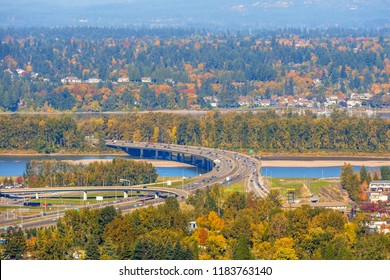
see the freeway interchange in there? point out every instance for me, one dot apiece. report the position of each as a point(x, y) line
point(227, 168)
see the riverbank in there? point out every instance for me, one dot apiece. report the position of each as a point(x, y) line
point(155, 163)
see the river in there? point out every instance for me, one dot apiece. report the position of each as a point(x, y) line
point(16, 165)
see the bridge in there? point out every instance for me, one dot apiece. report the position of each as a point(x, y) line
point(222, 168)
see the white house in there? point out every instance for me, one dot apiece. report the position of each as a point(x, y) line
point(146, 79)
point(380, 186)
point(93, 81)
point(123, 80)
point(71, 80)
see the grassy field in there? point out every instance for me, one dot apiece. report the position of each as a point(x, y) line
point(237, 187)
point(303, 187)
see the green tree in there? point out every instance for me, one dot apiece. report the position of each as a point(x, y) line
point(109, 251)
point(242, 250)
point(92, 249)
point(15, 246)
point(385, 173)
point(363, 174)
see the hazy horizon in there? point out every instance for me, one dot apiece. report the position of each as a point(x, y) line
point(239, 14)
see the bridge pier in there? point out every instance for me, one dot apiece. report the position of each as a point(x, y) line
point(36, 195)
point(204, 163)
point(156, 154)
point(85, 195)
point(141, 153)
point(170, 155)
point(208, 165)
point(193, 159)
point(125, 194)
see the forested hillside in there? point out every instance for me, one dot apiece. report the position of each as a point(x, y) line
point(101, 69)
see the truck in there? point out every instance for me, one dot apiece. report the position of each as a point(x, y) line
point(31, 204)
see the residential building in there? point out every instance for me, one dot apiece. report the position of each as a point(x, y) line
point(123, 80)
point(71, 80)
point(93, 81)
point(379, 186)
point(379, 191)
point(146, 79)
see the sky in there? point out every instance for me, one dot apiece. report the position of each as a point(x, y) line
point(195, 13)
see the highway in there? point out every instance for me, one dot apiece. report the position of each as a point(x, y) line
point(235, 166)
point(228, 168)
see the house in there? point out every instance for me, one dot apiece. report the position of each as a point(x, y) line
point(379, 226)
point(353, 103)
point(71, 80)
point(123, 80)
point(213, 101)
point(379, 191)
point(265, 103)
point(93, 81)
point(377, 196)
point(146, 79)
point(192, 226)
point(379, 186)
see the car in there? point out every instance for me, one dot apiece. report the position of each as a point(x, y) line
point(145, 187)
point(54, 219)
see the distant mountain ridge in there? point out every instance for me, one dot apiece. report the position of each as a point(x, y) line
point(201, 13)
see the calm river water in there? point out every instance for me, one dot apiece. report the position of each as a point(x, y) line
point(14, 166)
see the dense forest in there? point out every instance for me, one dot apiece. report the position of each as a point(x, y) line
point(234, 226)
point(62, 174)
point(188, 69)
point(263, 132)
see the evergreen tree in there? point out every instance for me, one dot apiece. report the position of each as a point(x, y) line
point(139, 251)
point(15, 245)
point(242, 250)
point(109, 251)
point(375, 176)
point(363, 174)
point(346, 173)
point(385, 173)
point(92, 249)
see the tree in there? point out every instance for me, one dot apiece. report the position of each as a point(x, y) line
point(284, 249)
point(363, 174)
point(385, 173)
point(15, 246)
point(242, 250)
point(109, 251)
point(92, 249)
point(346, 173)
point(375, 176)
